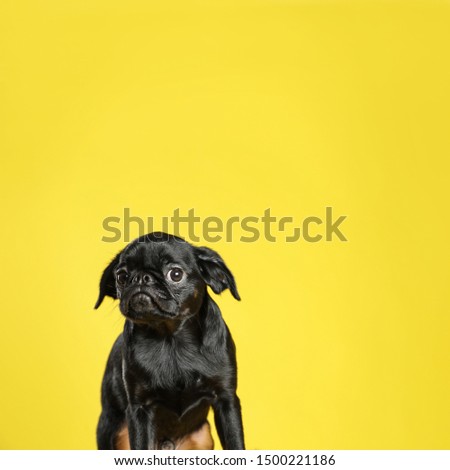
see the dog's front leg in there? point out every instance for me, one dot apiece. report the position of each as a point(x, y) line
point(141, 428)
point(228, 419)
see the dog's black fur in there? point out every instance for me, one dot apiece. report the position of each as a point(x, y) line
point(175, 357)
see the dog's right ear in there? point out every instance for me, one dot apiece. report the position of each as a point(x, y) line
point(108, 282)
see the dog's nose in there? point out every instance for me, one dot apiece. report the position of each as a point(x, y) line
point(142, 278)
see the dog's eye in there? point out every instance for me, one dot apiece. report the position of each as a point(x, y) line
point(122, 277)
point(175, 274)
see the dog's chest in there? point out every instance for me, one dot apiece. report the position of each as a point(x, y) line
point(173, 374)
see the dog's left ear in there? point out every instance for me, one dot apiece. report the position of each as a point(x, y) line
point(108, 282)
point(215, 272)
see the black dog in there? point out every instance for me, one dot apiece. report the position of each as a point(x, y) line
point(175, 357)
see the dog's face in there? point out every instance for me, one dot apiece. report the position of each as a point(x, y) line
point(159, 277)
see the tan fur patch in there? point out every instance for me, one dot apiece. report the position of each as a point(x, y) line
point(197, 440)
point(122, 439)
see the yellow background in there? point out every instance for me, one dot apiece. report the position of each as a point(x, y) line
point(231, 107)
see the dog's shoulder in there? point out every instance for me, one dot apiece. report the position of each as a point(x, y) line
point(215, 331)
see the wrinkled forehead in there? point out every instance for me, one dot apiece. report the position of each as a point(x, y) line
point(157, 255)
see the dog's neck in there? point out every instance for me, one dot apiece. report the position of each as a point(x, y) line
point(196, 324)
point(163, 329)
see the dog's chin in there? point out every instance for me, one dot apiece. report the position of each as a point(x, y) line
point(141, 308)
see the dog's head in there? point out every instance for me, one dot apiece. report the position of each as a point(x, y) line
point(161, 277)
